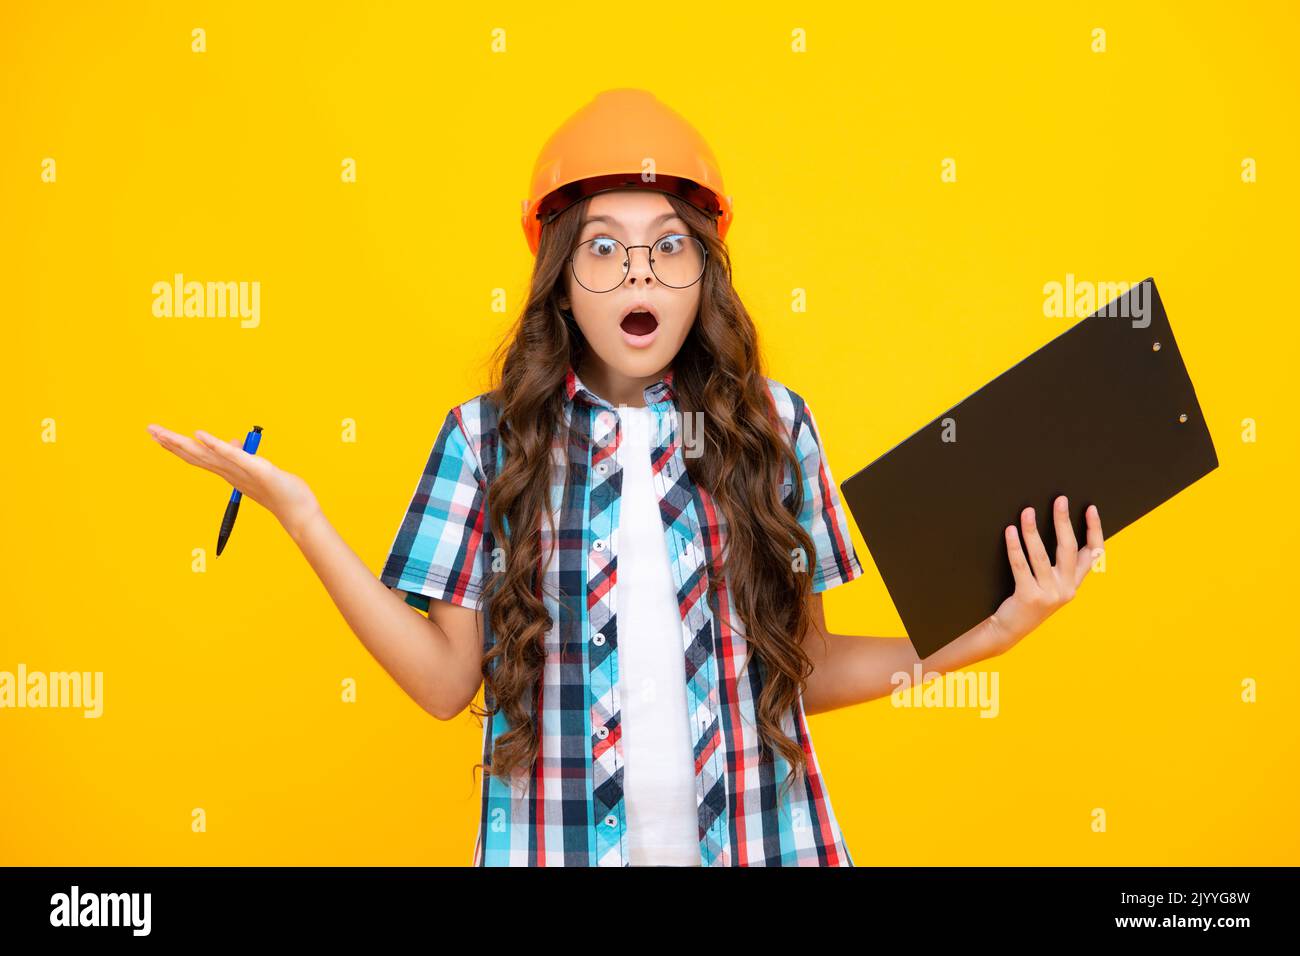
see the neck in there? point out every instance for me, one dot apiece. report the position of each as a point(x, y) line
point(613, 386)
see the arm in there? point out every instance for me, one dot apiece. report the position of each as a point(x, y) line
point(849, 670)
point(437, 660)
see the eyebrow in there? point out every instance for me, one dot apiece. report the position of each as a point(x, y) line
point(610, 219)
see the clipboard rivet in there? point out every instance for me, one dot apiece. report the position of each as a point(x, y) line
point(1182, 417)
point(1155, 346)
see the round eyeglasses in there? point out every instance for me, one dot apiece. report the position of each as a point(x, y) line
point(601, 264)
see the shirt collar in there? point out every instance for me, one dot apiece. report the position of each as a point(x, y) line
point(659, 391)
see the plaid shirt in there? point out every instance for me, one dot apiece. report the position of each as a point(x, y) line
point(572, 810)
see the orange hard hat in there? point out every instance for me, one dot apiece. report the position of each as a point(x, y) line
point(624, 138)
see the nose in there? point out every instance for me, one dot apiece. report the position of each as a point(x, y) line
point(638, 264)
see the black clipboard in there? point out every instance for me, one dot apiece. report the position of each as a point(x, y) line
point(1105, 413)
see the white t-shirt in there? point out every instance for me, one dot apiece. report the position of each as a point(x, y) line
point(659, 771)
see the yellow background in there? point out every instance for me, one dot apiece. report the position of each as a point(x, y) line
point(222, 689)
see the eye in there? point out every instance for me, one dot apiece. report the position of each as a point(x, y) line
point(602, 247)
point(670, 244)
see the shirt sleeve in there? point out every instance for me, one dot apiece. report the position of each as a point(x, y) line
point(823, 514)
point(438, 552)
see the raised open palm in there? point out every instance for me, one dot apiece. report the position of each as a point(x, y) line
point(282, 493)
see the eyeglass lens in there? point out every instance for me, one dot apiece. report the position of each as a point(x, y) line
point(601, 264)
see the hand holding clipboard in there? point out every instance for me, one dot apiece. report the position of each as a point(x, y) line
point(932, 507)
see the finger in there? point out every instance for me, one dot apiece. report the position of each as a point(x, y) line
point(1067, 546)
point(232, 451)
point(1019, 566)
point(198, 453)
point(184, 446)
point(243, 465)
point(1096, 543)
point(1038, 559)
point(157, 431)
point(1093, 519)
point(191, 451)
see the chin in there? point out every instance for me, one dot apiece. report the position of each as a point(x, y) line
point(634, 361)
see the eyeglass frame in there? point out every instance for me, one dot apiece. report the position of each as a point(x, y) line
point(627, 266)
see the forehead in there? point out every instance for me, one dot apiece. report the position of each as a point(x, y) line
point(631, 208)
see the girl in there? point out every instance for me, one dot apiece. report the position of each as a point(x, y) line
point(625, 541)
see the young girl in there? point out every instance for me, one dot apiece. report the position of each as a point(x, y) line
point(624, 542)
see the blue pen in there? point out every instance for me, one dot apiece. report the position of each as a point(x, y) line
point(232, 507)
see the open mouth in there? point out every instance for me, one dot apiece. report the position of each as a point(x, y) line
point(639, 323)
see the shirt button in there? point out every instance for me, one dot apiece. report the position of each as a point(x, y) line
point(599, 544)
point(611, 821)
point(599, 639)
point(602, 732)
point(602, 468)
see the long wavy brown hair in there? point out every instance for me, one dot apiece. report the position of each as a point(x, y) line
point(718, 371)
